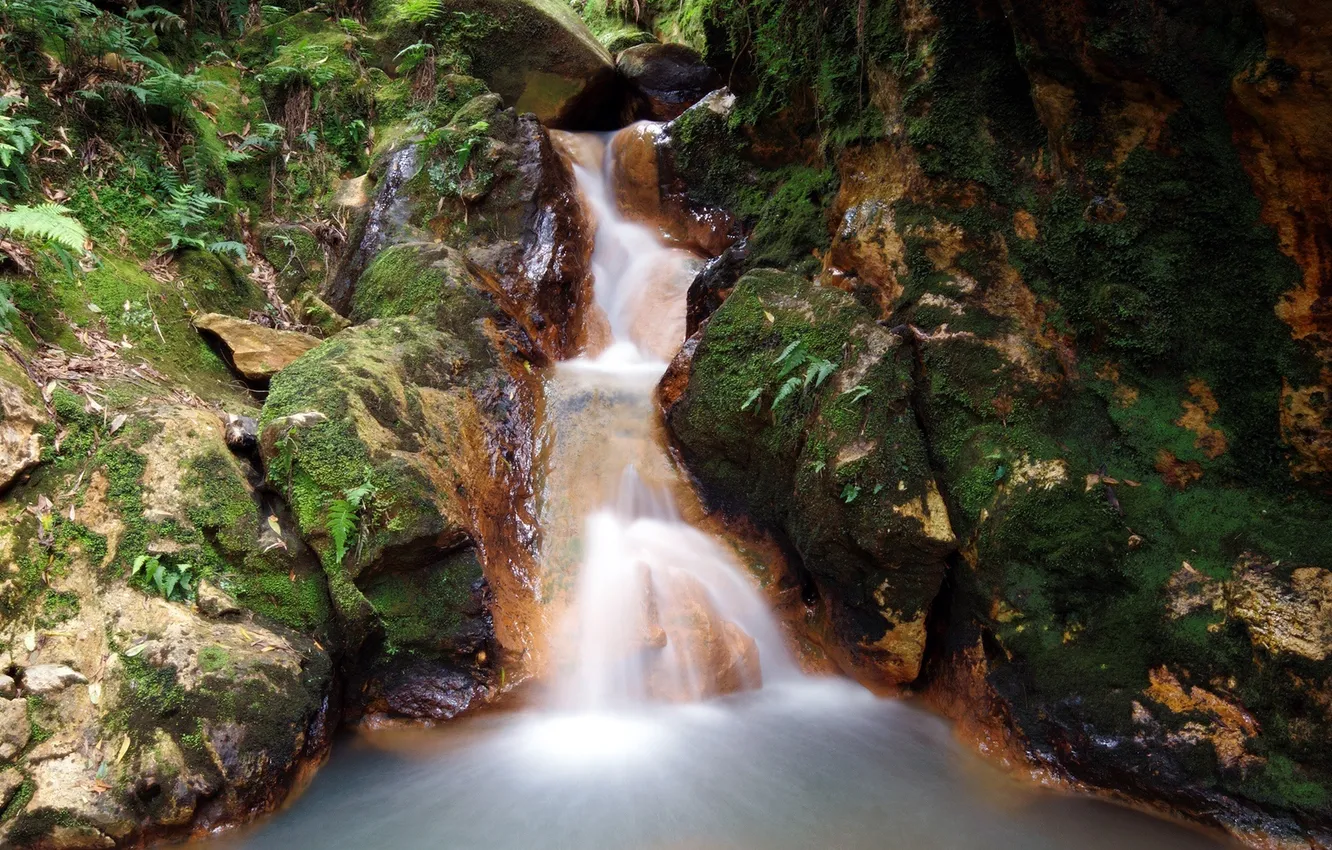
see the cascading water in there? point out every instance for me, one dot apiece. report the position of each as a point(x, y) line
point(660, 610)
point(627, 752)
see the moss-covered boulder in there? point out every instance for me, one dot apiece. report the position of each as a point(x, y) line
point(798, 410)
point(515, 213)
point(181, 717)
point(541, 57)
point(377, 438)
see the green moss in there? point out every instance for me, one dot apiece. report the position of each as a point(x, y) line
point(57, 607)
point(424, 610)
point(19, 801)
point(213, 659)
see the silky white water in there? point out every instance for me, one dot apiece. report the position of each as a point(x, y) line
point(631, 746)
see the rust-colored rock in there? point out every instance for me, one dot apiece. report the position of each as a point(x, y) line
point(256, 352)
point(1281, 110)
point(683, 623)
point(640, 173)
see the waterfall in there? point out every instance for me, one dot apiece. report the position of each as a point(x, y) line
point(660, 611)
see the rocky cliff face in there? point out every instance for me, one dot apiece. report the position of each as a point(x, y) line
point(1091, 233)
point(1014, 337)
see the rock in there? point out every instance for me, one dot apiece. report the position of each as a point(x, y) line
point(433, 694)
point(669, 77)
point(640, 172)
point(713, 284)
point(44, 679)
point(399, 411)
point(242, 433)
point(296, 255)
point(1291, 619)
point(215, 603)
point(8, 689)
point(381, 223)
point(840, 467)
point(10, 780)
point(544, 60)
point(22, 416)
point(14, 728)
point(684, 628)
point(626, 38)
point(313, 311)
point(256, 352)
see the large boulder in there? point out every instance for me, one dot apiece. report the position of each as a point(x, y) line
point(542, 58)
point(796, 409)
point(382, 440)
point(141, 713)
point(22, 416)
point(256, 352)
point(669, 78)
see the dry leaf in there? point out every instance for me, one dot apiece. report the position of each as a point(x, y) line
point(95, 693)
point(124, 747)
point(30, 641)
point(118, 422)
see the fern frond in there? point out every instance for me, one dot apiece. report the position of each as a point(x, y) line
point(341, 526)
point(51, 222)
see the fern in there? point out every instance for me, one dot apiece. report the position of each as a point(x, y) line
point(341, 527)
point(345, 518)
point(51, 222)
point(787, 389)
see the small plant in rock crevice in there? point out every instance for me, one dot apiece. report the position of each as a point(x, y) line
point(174, 582)
point(792, 359)
point(347, 519)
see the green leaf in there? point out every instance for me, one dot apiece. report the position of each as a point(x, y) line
point(849, 493)
point(791, 385)
point(341, 527)
point(46, 221)
point(751, 398)
point(858, 392)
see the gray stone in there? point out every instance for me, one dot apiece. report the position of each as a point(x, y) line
point(8, 689)
point(10, 780)
point(50, 678)
point(14, 728)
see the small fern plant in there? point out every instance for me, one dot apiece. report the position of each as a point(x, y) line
point(792, 359)
point(347, 519)
point(18, 135)
point(187, 215)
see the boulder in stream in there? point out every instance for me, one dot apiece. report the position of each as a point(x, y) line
point(798, 411)
point(669, 78)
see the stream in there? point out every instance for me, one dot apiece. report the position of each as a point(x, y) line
point(673, 713)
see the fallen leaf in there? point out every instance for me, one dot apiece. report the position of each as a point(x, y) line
point(770, 317)
point(95, 693)
point(118, 422)
point(93, 308)
point(134, 651)
point(124, 747)
point(30, 641)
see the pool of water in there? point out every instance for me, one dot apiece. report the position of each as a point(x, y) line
point(813, 764)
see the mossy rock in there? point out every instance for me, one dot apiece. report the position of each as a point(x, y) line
point(428, 280)
point(839, 466)
point(541, 57)
point(296, 255)
point(391, 409)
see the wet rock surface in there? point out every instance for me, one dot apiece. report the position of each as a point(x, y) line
point(669, 78)
point(797, 410)
point(21, 417)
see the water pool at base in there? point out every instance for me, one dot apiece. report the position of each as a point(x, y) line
point(818, 763)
